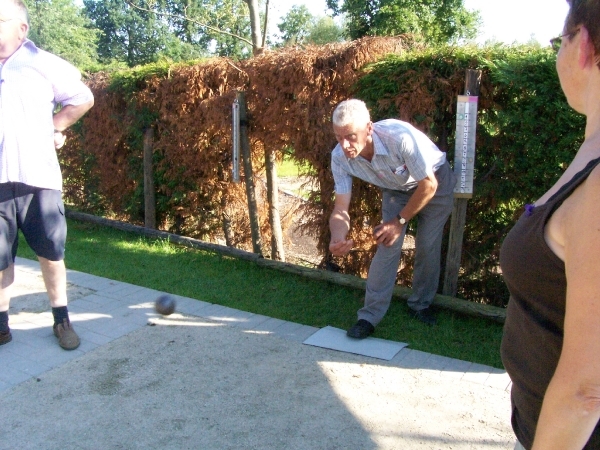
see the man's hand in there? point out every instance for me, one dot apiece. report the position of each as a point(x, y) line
point(59, 139)
point(388, 232)
point(341, 248)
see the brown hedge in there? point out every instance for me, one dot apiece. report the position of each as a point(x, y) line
point(290, 95)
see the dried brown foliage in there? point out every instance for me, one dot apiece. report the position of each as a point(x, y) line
point(290, 95)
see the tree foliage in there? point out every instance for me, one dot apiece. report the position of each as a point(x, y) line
point(299, 27)
point(294, 26)
point(325, 31)
point(61, 27)
point(137, 32)
point(220, 26)
point(432, 21)
point(235, 24)
point(133, 36)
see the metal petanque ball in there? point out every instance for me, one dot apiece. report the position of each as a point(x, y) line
point(165, 305)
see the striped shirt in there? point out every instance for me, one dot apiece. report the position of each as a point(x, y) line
point(402, 156)
point(32, 83)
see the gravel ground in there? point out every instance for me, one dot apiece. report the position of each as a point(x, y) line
point(188, 382)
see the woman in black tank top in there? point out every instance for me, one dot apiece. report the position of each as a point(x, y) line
point(551, 263)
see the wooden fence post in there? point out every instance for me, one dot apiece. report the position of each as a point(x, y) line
point(149, 195)
point(249, 177)
point(277, 250)
point(459, 212)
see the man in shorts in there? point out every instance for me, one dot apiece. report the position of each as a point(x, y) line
point(33, 84)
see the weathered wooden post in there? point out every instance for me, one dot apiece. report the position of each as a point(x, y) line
point(149, 195)
point(249, 177)
point(464, 164)
point(277, 250)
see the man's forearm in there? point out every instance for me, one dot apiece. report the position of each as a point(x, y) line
point(70, 114)
point(422, 195)
point(339, 225)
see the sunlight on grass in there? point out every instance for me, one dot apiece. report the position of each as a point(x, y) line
point(288, 167)
point(162, 246)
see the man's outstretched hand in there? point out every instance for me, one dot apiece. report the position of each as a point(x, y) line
point(341, 248)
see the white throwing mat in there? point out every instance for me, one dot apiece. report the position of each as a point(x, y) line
point(336, 339)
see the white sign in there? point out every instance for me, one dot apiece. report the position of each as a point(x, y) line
point(464, 151)
point(235, 138)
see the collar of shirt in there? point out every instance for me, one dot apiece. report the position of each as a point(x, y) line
point(378, 148)
point(26, 45)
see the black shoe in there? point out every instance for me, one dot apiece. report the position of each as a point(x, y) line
point(5, 337)
point(361, 329)
point(426, 316)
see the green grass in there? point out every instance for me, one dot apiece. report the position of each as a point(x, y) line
point(290, 168)
point(287, 168)
point(243, 285)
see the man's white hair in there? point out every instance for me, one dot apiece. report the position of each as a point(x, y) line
point(352, 111)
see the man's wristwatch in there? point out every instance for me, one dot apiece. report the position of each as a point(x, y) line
point(401, 219)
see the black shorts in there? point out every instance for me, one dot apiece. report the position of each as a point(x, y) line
point(39, 214)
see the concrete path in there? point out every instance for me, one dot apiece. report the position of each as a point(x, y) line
point(211, 377)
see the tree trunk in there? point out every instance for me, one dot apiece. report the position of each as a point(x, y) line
point(277, 251)
point(227, 228)
point(255, 26)
point(266, 24)
point(249, 176)
point(149, 196)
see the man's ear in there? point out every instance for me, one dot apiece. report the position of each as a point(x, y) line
point(586, 49)
point(23, 29)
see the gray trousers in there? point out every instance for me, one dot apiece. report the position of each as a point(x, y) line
point(428, 245)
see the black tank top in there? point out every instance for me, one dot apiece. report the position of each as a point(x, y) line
point(533, 331)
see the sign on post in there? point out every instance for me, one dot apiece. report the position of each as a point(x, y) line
point(464, 168)
point(235, 139)
point(464, 152)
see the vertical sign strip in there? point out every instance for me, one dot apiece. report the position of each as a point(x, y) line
point(464, 150)
point(235, 139)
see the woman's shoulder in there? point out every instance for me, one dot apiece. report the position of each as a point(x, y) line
point(583, 202)
point(591, 185)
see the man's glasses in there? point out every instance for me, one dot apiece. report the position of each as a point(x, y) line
point(556, 42)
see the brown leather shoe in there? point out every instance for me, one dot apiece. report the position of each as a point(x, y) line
point(67, 338)
point(5, 337)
